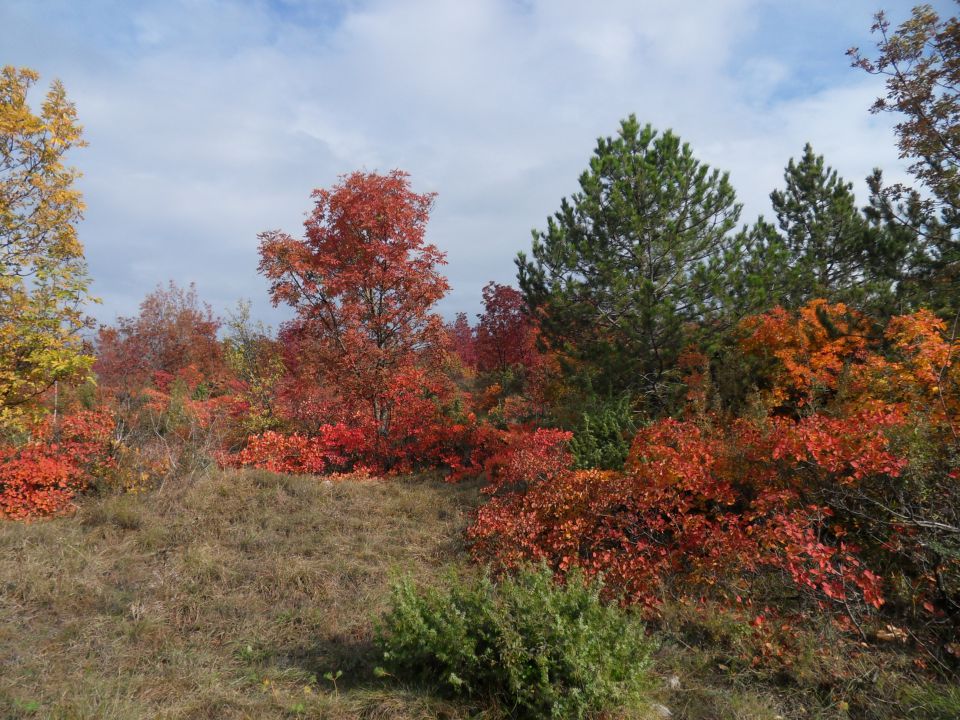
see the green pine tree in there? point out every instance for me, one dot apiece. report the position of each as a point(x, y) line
point(828, 245)
point(632, 261)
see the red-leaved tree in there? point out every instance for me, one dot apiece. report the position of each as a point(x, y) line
point(174, 331)
point(364, 282)
point(504, 335)
point(463, 340)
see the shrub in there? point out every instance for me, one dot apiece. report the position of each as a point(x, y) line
point(334, 447)
point(528, 457)
point(541, 648)
point(700, 509)
point(603, 439)
point(460, 447)
point(175, 427)
point(42, 476)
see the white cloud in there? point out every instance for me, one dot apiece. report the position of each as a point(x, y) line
point(211, 120)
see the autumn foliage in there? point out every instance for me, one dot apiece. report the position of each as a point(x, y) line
point(797, 496)
point(43, 277)
point(363, 283)
point(505, 334)
point(643, 414)
point(830, 480)
point(332, 448)
point(695, 505)
point(164, 376)
point(173, 331)
point(42, 476)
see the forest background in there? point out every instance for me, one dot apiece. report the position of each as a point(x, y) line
point(749, 420)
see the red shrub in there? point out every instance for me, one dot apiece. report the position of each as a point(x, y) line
point(335, 447)
point(696, 508)
point(526, 457)
point(43, 476)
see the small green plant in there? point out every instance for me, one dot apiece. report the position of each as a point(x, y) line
point(27, 706)
point(603, 438)
point(332, 677)
point(536, 646)
point(250, 654)
point(932, 702)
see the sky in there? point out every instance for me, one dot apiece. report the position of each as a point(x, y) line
point(209, 121)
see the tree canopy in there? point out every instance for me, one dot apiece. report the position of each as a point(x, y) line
point(363, 282)
point(43, 276)
point(639, 252)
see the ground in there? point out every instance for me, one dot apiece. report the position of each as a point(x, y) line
point(231, 597)
point(253, 595)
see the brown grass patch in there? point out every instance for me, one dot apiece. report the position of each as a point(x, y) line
point(230, 597)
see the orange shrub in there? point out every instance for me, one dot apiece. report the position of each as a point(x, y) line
point(43, 476)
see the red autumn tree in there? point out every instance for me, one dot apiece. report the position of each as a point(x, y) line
point(463, 340)
point(364, 282)
point(173, 332)
point(504, 335)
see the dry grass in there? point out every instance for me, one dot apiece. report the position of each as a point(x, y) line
point(228, 598)
point(719, 670)
point(232, 596)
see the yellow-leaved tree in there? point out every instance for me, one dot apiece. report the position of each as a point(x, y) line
point(43, 275)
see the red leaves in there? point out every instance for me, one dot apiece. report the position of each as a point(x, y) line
point(35, 481)
point(696, 505)
point(462, 340)
point(173, 331)
point(43, 476)
point(529, 457)
point(334, 448)
point(363, 282)
point(419, 438)
point(505, 335)
point(848, 448)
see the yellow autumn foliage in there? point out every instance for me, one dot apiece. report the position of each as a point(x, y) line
point(43, 275)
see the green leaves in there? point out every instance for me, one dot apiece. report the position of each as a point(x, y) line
point(603, 439)
point(642, 250)
point(542, 648)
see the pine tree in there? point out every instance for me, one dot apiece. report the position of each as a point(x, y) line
point(631, 261)
point(825, 235)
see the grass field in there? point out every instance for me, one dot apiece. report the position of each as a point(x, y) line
point(234, 595)
point(230, 598)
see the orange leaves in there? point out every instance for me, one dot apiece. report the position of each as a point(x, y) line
point(830, 352)
point(924, 368)
point(43, 476)
point(810, 350)
point(921, 339)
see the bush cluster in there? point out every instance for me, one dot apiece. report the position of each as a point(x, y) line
point(540, 648)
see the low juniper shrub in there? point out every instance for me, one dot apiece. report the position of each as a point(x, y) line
point(536, 647)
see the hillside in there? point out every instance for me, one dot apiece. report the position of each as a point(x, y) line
point(230, 599)
point(234, 595)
